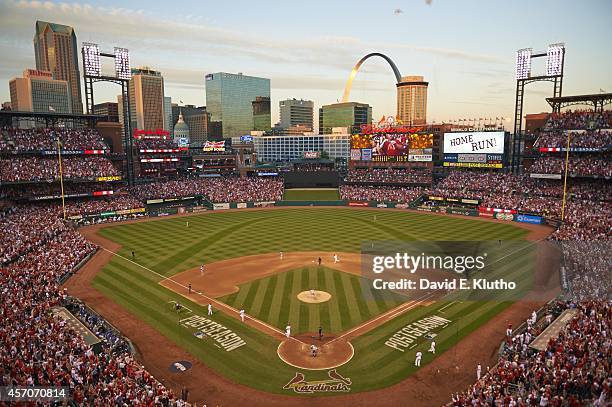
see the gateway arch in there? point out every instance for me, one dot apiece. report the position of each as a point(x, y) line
point(349, 83)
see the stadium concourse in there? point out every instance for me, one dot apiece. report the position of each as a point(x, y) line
point(39, 250)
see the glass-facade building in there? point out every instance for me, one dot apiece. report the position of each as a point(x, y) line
point(289, 148)
point(229, 100)
point(348, 114)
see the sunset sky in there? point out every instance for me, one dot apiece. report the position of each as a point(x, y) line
point(465, 49)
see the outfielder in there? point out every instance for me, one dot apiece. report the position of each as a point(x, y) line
point(417, 361)
point(432, 348)
point(242, 315)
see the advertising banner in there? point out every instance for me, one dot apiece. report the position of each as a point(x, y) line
point(366, 154)
point(358, 204)
point(474, 165)
point(474, 142)
point(472, 158)
point(264, 204)
point(545, 176)
point(355, 154)
point(504, 216)
point(536, 220)
point(241, 205)
point(220, 206)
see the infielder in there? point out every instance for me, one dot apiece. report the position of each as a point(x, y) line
point(313, 350)
point(242, 315)
point(432, 348)
point(202, 269)
point(336, 260)
point(288, 331)
point(281, 255)
point(417, 361)
point(209, 309)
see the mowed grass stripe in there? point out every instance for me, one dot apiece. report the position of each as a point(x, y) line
point(294, 305)
point(260, 294)
point(275, 306)
point(350, 299)
point(335, 323)
point(314, 309)
point(268, 297)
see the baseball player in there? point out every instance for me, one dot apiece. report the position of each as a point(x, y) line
point(209, 309)
point(478, 371)
point(288, 331)
point(202, 269)
point(312, 293)
point(187, 223)
point(281, 255)
point(189, 288)
point(242, 315)
point(432, 348)
point(417, 360)
point(320, 333)
point(336, 260)
point(313, 350)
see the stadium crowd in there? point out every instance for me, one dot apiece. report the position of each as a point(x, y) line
point(573, 370)
point(216, 189)
point(578, 138)
point(580, 166)
point(380, 193)
point(17, 140)
point(21, 168)
point(37, 347)
point(579, 119)
point(388, 176)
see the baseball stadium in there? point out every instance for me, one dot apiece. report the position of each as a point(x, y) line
point(390, 262)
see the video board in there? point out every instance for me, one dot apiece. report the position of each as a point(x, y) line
point(391, 147)
point(474, 149)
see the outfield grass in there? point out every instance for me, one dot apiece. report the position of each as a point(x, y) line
point(311, 195)
point(274, 300)
point(168, 246)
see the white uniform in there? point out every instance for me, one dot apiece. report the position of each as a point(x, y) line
point(478, 371)
point(281, 255)
point(432, 348)
point(417, 361)
point(242, 315)
point(187, 223)
point(202, 269)
point(288, 331)
point(336, 260)
point(312, 293)
point(209, 309)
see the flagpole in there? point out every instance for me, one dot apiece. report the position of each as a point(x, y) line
point(565, 178)
point(59, 159)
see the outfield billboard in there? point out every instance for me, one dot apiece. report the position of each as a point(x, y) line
point(387, 147)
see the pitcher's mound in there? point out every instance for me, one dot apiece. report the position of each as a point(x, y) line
point(314, 297)
point(330, 353)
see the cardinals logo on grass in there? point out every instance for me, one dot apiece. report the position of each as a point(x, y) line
point(335, 383)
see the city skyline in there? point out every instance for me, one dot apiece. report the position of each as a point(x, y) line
point(471, 75)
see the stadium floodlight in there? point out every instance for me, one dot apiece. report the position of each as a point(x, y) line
point(122, 63)
point(523, 63)
point(91, 59)
point(554, 59)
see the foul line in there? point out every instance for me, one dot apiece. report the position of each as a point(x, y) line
point(219, 304)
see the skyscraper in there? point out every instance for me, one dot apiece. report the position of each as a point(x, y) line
point(196, 118)
point(262, 114)
point(55, 50)
point(347, 114)
point(229, 100)
point(146, 90)
point(37, 91)
point(295, 112)
point(168, 123)
point(412, 100)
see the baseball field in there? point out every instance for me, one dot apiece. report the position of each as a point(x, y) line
point(153, 265)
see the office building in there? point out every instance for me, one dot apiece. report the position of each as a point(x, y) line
point(262, 116)
point(412, 100)
point(229, 100)
point(347, 114)
point(295, 113)
point(181, 132)
point(196, 118)
point(55, 50)
point(146, 92)
point(109, 110)
point(168, 123)
point(37, 91)
point(293, 147)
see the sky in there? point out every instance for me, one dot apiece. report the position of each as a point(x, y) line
point(465, 49)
